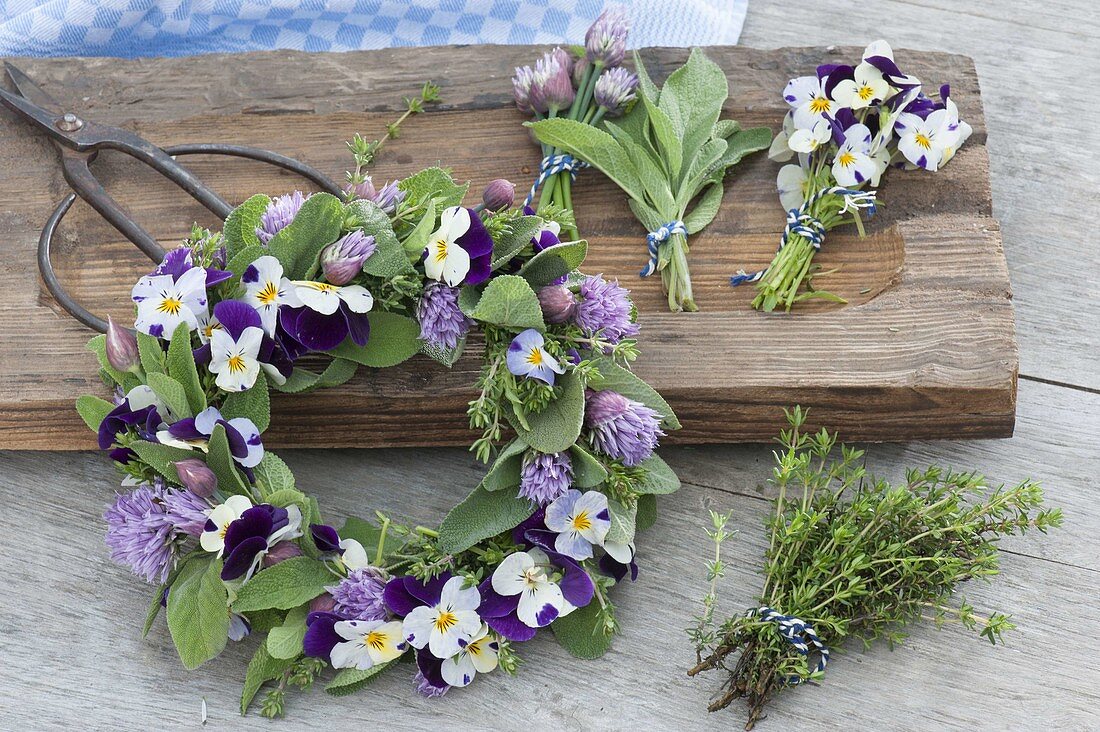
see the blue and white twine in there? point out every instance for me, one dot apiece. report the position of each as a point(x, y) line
point(655, 239)
point(801, 223)
point(799, 634)
point(552, 165)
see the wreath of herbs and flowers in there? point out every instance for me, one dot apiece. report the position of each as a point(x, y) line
point(236, 548)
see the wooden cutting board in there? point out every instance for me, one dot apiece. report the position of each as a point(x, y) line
point(925, 349)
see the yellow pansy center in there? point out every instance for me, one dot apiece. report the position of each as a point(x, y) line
point(474, 647)
point(440, 250)
point(845, 159)
point(865, 93)
point(535, 356)
point(820, 104)
point(236, 364)
point(581, 522)
point(268, 294)
point(209, 329)
point(923, 140)
point(376, 640)
point(170, 305)
point(534, 576)
point(445, 621)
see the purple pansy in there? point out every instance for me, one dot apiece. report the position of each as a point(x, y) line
point(181, 259)
point(236, 318)
point(243, 537)
point(139, 410)
point(460, 251)
point(524, 594)
point(244, 437)
point(547, 236)
point(319, 315)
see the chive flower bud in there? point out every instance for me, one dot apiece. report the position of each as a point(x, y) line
point(499, 195)
point(122, 348)
point(521, 88)
point(343, 260)
point(605, 41)
point(615, 89)
point(558, 303)
point(197, 477)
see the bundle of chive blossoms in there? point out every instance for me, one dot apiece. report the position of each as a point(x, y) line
point(235, 549)
point(847, 125)
point(587, 89)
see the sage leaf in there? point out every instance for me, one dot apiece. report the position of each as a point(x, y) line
point(240, 226)
point(198, 614)
point(505, 470)
point(161, 458)
point(622, 522)
point(435, 184)
point(181, 366)
point(285, 641)
point(151, 353)
point(351, 680)
point(93, 410)
point(389, 258)
point(554, 263)
point(171, 392)
point(273, 475)
point(557, 427)
point(509, 302)
point(253, 403)
point(480, 515)
point(647, 512)
point(658, 479)
point(582, 632)
point(288, 584)
point(595, 147)
point(261, 669)
point(317, 224)
point(705, 209)
point(393, 339)
point(520, 233)
point(220, 460)
point(588, 472)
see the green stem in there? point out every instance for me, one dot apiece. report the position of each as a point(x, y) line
point(381, 542)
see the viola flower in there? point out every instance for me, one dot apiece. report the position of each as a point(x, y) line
point(447, 624)
point(809, 98)
point(218, 520)
point(524, 575)
point(181, 259)
point(235, 360)
point(359, 644)
point(164, 302)
point(545, 476)
point(265, 289)
point(140, 535)
point(387, 197)
point(581, 520)
point(278, 215)
point(605, 40)
point(930, 142)
point(442, 322)
point(428, 687)
point(528, 357)
point(879, 55)
point(477, 656)
point(853, 164)
point(547, 236)
point(208, 323)
point(194, 432)
point(460, 252)
point(621, 428)
point(244, 534)
point(809, 140)
point(140, 409)
point(618, 561)
point(319, 316)
point(614, 90)
point(604, 308)
point(866, 87)
point(239, 627)
point(791, 185)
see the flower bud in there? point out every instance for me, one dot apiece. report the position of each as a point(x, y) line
point(521, 88)
point(605, 41)
point(615, 89)
point(325, 538)
point(282, 551)
point(197, 477)
point(324, 603)
point(558, 303)
point(343, 260)
point(499, 195)
point(122, 348)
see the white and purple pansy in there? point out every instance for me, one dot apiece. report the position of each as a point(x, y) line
point(347, 552)
point(242, 534)
point(527, 356)
point(359, 644)
point(809, 99)
point(880, 56)
point(530, 589)
point(320, 315)
point(460, 251)
point(163, 303)
point(445, 623)
point(866, 87)
point(548, 236)
point(265, 289)
point(239, 348)
point(479, 655)
point(194, 432)
point(581, 521)
point(852, 164)
point(142, 410)
point(618, 561)
point(808, 139)
point(930, 136)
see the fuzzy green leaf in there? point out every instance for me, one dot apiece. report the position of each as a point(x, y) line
point(445, 356)
point(220, 460)
point(240, 226)
point(92, 410)
point(706, 208)
point(588, 472)
point(558, 425)
point(300, 380)
point(508, 301)
point(253, 403)
point(623, 519)
point(595, 147)
point(290, 583)
point(616, 378)
point(239, 263)
point(433, 184)
point(646, 86)
point(273, 475)
point(581, 632)
point(647, 512)
point(393, 339)
point(518, 236)
point(659, 478)
point(182, 368)
point(482, 514)
point(198, 614)
point(339, 371)
point(554, 262)
point(417, 240)
point(317, 224)
point(151, 352)
point(351, 680)
point(389, 258)
point(171, 392)
point(703, 167)
point(504, 472)
point(285, 642)
point(692, 97)
point(162, 458)
point(261, 669)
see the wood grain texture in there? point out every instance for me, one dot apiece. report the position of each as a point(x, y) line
point(925, 349)
point(73, 657)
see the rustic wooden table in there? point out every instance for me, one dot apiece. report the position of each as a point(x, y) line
point(71, 656)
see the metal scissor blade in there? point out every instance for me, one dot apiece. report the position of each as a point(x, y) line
point(31, 91)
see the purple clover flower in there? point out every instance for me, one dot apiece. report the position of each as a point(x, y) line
point(280, 212)
point(605, 307)
point(621, 428)
point(442, 322)
point(545, 476)
point(140, 532)
point(359, 595)
point(615, 89)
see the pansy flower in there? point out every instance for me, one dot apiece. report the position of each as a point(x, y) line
point(527, 356)
point(242, 534)
point(866, 87)
point(239, 348)
point(265, 289)
point(618, 561)
point(479, 655)
point(460, 251)
point(930, 142)
point(526, 592)
point(164, 302)
point(581, 520)
point(881, 56)
point(348, 552)
point(547, 236)
point(320, 315)
point(852, 164)
point(181, 259)
point(808, 97)
point(791, 185)
point(194, 432)
point(140, 409)
point(360, 644)
point(808, 140)
point(444, 619)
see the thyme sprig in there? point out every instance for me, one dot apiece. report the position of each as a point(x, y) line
point(858, 557)
point(363, 151)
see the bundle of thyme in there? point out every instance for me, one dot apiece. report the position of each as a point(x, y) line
point(852, 556)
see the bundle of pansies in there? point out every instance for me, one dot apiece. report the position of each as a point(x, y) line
point(237, 549)
point(847, 125)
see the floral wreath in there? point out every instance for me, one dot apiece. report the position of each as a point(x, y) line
point(216, 521)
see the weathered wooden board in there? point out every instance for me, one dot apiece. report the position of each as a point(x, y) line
point(925, 349)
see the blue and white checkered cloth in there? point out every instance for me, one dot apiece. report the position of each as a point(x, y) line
point(131, 28)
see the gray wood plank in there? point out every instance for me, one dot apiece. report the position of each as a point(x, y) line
point(1032, 59)
point(72, 655)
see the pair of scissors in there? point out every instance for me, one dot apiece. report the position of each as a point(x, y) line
point(80, 140)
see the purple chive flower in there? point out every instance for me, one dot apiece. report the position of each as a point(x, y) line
point(186, 511)
point(521, 88)
point(243, 435)
point(605, 41)
point(621, 428)
point(323, 603)
point(122, 348)
point(558, 303)
point(442, 322)
point(139, 533)
point(564, 59)
point(545, 476)
point(527, 356)
point(197, 477)
point(343, 260)
point(359, 596)
point(615, 89)
point(278, 215)
point(499, 194)
point(605, 307)
point(387, 197)
point(430, 687)
point(556, 81)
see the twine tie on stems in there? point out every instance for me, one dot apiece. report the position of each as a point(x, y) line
point(655, 239)
point(801, 223)
point(799, 634)
point(552, 165)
